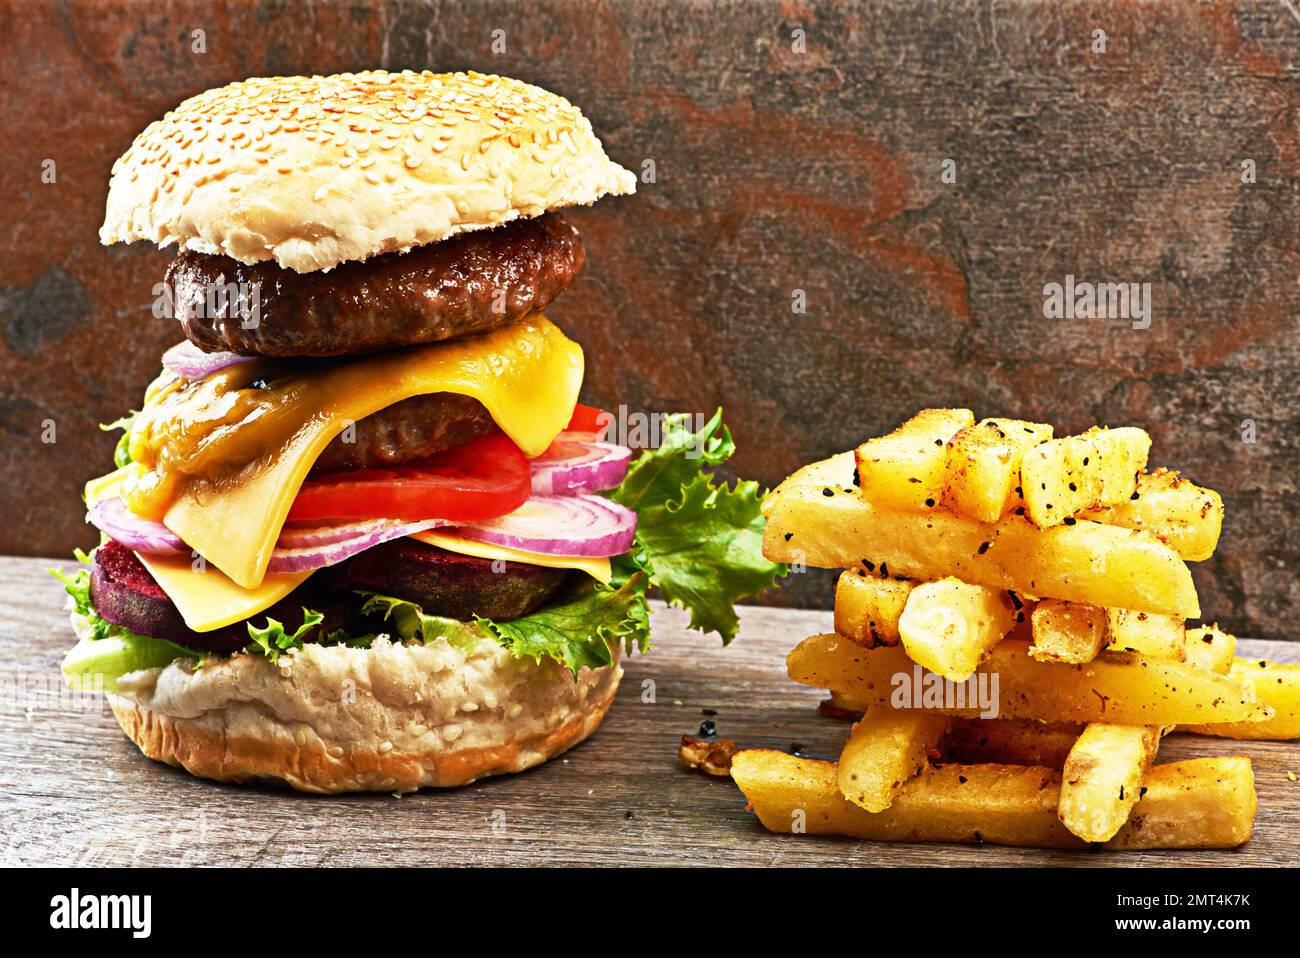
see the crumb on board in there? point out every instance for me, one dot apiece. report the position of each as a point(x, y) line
point(712, 758)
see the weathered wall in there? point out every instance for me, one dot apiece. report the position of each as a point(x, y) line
point(776, 170)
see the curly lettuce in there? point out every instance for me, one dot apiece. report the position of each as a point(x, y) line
point(699, 541)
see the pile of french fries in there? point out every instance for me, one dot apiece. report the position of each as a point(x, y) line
point(1012, 625)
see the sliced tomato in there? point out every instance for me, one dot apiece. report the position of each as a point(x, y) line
point(482, 479)
point(590, 421)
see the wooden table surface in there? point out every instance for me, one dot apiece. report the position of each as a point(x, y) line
point(74, 790)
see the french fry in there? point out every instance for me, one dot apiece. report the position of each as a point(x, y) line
point(885, 750)
point(1086, 562)
point(1008, 741)
point(1195, 803)
point(983, 466)
point(1102, 777)
point(1276, 685)
point(867, 607)
point(1062, 477)
point(948, 626)
point(1183, 514)
point(1119, 687)
point(1211, 648)
point(905, 469)
point(1201, 803)
point(1071, 632)
point(1154, 636)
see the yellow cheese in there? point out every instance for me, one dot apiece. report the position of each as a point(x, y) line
point(527, 375)
point(596, 568)
point(106, 487)
point(208, 600)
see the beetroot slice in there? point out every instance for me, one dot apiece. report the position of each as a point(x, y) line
point(125, 594)
point(447, 583)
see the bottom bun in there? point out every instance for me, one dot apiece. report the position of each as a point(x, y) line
point(391, 718)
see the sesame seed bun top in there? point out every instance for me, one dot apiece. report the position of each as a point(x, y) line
point(316, 171)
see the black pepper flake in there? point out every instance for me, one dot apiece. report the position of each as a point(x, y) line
point(1142, 792)
point(884, 570)
point(962, 779)
point(938, 442)
point(871, 566)
point(1085, 460)
point(789, 536)
point(709, 712)
point(1020, 511)
point(828, 491)
point(984, 547)
point(708, 729)
point(1069, 520)
point(1073, 487)
point(1135, 495)
point(857, 480)
point(929, 503)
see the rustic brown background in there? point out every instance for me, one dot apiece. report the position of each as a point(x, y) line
point(776, 171)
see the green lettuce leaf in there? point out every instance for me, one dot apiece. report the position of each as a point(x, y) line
point(582, 628)
point(272, 640)
point(409, 621)
point(122, 452)
point(699, 540)
point(95, 665)
point(77, 585)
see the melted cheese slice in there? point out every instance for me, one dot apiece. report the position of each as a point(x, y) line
point(527, 375)
point(207, 599)
point(596, 568)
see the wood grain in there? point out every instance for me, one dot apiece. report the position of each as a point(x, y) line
point(73, 790)
point(797, 146)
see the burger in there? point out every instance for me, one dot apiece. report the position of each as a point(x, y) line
point(361, 534)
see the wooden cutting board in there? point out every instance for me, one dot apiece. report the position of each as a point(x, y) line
point(74, 790)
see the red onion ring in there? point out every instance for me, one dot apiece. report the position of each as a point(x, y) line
point(189, 362)
point(570, 467)
point(115, 520)
point(577, 525)
point(298, 549)
point(321, 555)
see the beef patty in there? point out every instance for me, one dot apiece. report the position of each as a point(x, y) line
point(411, 429)
point(470, 283)
point(447, 583)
